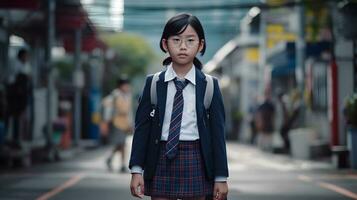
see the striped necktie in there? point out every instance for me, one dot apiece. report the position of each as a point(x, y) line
point(176, 118)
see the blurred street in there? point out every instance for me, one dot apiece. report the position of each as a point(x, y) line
point(254, 175)
point(72, 73)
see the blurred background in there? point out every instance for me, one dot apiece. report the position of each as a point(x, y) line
point(287, 70)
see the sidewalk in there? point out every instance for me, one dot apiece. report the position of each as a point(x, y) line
point(29, 155)
point(257, 175)
point(254, 157)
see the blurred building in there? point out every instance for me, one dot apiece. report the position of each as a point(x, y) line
point(298, 51)
point(48, 30)
point(220, 19)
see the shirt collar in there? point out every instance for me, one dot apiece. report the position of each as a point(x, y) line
point(171, 74)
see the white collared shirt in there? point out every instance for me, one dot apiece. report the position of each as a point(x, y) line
point(189, 129)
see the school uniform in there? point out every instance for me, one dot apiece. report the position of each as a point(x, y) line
point(201, 154)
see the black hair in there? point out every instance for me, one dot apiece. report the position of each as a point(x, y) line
point(122, 80)
point(177, 25)
point(21, 53)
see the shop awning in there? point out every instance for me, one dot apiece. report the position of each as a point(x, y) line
point(89, 43)
point(70, 18)
point(283, 58)
point(226, 50)
point(69, 15)
point(20, 4)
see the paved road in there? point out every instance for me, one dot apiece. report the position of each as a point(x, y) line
point(253, 176)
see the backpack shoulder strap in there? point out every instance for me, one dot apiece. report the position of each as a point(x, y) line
point(209, 91)
point(153, 92)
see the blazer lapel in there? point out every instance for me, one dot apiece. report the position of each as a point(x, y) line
point(200, 91)
point(161, 95)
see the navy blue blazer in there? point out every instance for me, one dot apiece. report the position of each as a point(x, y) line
point(210, 123)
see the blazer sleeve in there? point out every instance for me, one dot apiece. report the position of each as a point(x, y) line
point(142, 127)
point(217, 126)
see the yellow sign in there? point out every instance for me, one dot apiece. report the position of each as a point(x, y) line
point(251, 55)
point(276, 33)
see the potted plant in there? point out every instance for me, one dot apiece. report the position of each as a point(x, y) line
point(350, 112)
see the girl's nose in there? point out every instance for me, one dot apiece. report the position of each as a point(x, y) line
point(183, 45)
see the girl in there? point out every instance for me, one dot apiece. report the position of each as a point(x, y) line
point(178, 149)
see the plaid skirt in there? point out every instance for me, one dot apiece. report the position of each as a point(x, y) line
point(182, 177)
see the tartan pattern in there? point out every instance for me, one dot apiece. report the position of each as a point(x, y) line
point(182, 177)
point(176, 119)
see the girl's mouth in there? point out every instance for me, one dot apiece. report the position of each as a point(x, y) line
point(182, 55)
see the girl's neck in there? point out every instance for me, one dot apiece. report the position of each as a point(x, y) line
point(181, 70)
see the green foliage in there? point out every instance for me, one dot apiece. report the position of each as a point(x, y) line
point(65, 69)
point(351, 110)
point(133, 53)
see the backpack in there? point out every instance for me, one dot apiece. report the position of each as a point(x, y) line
point(207, 97)
point(121, 111)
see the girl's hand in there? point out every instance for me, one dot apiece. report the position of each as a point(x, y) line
point(220, 190)
point(137, 185)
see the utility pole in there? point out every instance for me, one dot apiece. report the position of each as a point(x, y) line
point(355, 65)
point(51, 7)
point(262, 51)
point(78, 81)
point(300, 46)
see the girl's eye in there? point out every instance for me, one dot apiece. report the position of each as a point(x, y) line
point(190, 41)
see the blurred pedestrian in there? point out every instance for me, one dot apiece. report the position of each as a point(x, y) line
point(19, 97)
point(121, 123)
point(179, 144)
point(252, 111)
point(293, 118)
point(20, 65)
point(282, 117)
point(265, 123)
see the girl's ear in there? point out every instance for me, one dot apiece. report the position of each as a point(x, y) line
point(164, 45)
point(201, 45)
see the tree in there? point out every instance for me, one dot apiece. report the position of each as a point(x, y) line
point(132, 54)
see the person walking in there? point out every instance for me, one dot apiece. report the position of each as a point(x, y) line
point(121, 123)
point(265, 123)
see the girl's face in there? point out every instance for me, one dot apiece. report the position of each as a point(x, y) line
point(183, 47)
